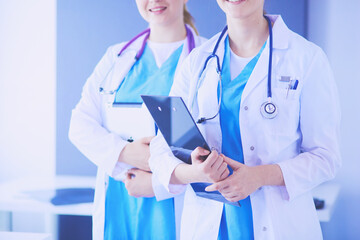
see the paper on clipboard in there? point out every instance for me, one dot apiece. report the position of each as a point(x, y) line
point(131, 121)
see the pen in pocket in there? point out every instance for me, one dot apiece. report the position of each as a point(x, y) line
point(295, 85)
point(292, 86)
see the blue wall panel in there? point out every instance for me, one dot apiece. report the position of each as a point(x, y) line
point(85, 29)
point(294, 13)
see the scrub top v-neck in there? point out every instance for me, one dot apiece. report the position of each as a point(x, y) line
point(236, 222)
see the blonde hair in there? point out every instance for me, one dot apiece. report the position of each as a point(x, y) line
point(188, 19)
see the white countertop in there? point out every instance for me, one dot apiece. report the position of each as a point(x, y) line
point(24, 236)
point(14, 197)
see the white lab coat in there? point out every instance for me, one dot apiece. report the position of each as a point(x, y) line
point(302, 139)
point(96, 134)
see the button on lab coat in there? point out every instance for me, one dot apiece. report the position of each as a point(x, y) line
point(302, 139)
point(95, 134)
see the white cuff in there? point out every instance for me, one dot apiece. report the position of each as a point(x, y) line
point(120, 171)
point(159, 190)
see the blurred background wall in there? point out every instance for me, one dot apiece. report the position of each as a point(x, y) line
point(27, 97)
point(27, 88)
point(334, 25)
point(48, 48)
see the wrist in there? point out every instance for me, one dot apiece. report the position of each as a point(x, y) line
point(194, 174)
point(270, 175)
point(184, 174)
point(262, 175)
point(123, 153)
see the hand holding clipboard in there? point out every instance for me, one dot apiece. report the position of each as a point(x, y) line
point(183, 136)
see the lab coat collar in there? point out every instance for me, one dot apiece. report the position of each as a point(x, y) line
point(281, 32)
point(127, 60)
point(280, 36)
point(136, 45)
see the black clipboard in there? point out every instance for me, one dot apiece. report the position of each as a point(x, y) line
point(181, 134)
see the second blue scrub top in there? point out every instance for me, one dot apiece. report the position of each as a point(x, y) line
point(236, 222)
point(127, 217)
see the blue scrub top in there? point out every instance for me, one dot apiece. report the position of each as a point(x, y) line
point(236, 222)
point(146, 78)
point(127, 217)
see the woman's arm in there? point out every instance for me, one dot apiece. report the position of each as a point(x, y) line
point(86, 126)
point(245, 180)
point(139, 183)
point(105, 149)
point(211, 170)
point(162, 161)
point(319, 159)
point(137, 153)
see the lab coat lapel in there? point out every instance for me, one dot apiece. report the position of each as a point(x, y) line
point(208, 101)
point(122, 66)
point(124, 63)
point(259, 73)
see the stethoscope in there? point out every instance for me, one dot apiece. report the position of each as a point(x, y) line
point(268, 109)
point(191, 45)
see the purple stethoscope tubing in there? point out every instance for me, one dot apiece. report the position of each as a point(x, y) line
point(190, 40)
point(140, 52)
point(189, 37)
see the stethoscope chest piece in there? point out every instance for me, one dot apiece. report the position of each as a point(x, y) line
point(268, 110)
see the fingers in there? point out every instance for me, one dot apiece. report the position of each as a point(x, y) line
point(232, 163)
point(135, 171)
point(223, 166)
point(224, 172)
point(226, 191)
point(216, 186)
point(198, 153)
point(212, 158)
point(127, 180)
point(217, 163)
point(212, 187)
point(146, 140)
point(235, 198)
point(131, 173)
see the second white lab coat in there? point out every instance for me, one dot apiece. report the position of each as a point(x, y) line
point(302, 139)
point(96, 135)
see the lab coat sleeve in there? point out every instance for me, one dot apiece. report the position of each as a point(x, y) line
point(86, 126)
point(162, 164)
point(319, 159)
point(162, 161)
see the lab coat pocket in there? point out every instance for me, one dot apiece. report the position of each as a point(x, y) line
point(287, 121)
point(284, 94)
